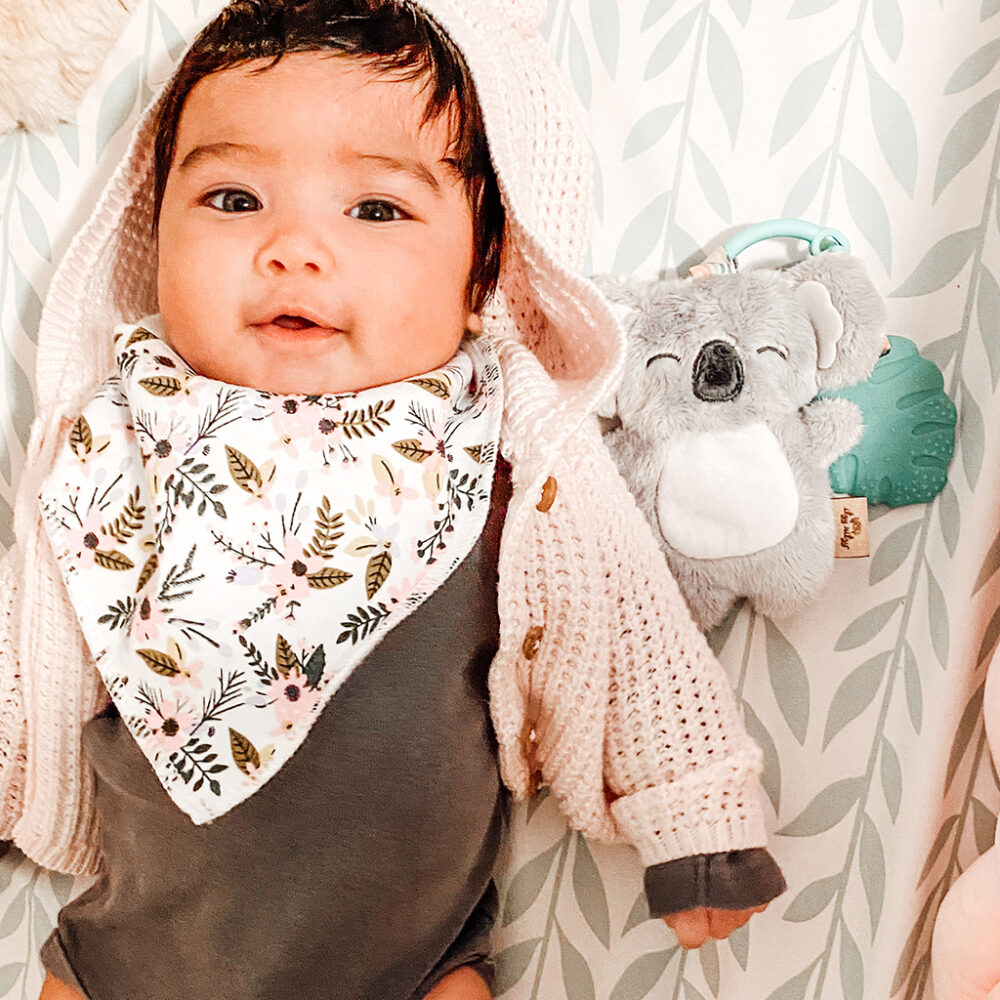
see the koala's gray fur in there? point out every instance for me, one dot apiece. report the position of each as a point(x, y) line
point(767, 337)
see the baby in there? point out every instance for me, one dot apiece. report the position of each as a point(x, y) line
point(275, 532)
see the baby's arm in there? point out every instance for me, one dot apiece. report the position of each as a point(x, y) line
point(604, 694)
point(46, 694)
point(681, 773)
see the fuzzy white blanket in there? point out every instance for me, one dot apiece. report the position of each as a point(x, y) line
point(50, 50)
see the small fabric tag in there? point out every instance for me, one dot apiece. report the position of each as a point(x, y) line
point(850, 515)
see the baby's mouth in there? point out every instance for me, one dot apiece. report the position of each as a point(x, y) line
point(287, 322)
point(294, 327)
point(289, 313)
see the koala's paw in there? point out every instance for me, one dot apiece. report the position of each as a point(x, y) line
point(835, 426)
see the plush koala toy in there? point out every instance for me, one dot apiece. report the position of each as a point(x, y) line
point(717, 430)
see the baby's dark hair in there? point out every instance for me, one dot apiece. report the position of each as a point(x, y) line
point(391, 36)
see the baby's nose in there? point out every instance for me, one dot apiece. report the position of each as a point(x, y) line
point(295, 251)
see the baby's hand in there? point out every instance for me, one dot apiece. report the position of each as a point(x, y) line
point(692, 927)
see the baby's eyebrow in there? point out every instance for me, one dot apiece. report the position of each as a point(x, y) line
point(215, 151)
point(410, 167)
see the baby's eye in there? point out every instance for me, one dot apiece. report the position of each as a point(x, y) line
point(376, 210)
point(234, 200)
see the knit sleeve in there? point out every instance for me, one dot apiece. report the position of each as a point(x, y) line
point(62, 689)
point(603, 688)
point(13, 723)
point(682, 774)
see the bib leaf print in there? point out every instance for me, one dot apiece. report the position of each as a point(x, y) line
point(233, 554)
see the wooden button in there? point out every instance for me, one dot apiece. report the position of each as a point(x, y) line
point(529, 744)
point(548, 495)
point(532, 638)
point(534, 782)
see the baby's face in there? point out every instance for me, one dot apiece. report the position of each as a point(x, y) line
point(312, 236)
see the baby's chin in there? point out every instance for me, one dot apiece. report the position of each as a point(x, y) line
point(309, 377)
point(316, 366)
point(305, 381)
point(318, 376)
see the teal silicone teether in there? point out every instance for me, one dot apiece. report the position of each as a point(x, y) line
point(909, 436)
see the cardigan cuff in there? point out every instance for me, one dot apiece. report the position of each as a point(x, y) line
point(707, 811)
point(730, 880)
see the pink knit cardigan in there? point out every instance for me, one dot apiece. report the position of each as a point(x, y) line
point(602, 686)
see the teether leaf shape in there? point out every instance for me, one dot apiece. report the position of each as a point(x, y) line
point(909, 436)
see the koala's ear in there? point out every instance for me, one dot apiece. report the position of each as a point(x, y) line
point(826, 321)
point(623, 297)
point(848, 301)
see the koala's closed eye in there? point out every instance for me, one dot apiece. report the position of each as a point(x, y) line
point(656, 357)
point(777, 350)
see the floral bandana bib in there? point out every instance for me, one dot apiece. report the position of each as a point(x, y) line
point(233, 554)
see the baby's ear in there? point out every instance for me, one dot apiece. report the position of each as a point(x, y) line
point(847, 313)
point(623, 296)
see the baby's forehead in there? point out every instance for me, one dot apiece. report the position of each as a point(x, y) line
point(332, 102)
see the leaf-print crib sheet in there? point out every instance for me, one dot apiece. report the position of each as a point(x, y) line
point(874, 117)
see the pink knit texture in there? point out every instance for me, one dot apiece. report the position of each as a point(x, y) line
point(625, 697)
point(598, 655)
point(13, 729)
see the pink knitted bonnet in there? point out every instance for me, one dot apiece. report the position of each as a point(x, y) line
point(542, 162)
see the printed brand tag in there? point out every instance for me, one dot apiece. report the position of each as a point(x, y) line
point(850, 515)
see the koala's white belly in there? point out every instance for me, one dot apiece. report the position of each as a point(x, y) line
point(725, 493)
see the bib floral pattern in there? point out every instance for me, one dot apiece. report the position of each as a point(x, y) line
point(233, 554)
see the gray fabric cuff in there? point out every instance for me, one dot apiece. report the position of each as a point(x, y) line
point(730, 880)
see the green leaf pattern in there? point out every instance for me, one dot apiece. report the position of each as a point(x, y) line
point(706, 115)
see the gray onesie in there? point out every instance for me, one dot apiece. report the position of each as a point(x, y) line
point(360, 870)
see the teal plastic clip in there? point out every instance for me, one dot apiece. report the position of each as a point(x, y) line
point(820, 238)
point(722, 260)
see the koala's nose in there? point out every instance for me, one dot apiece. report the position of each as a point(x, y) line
point(718, 372)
